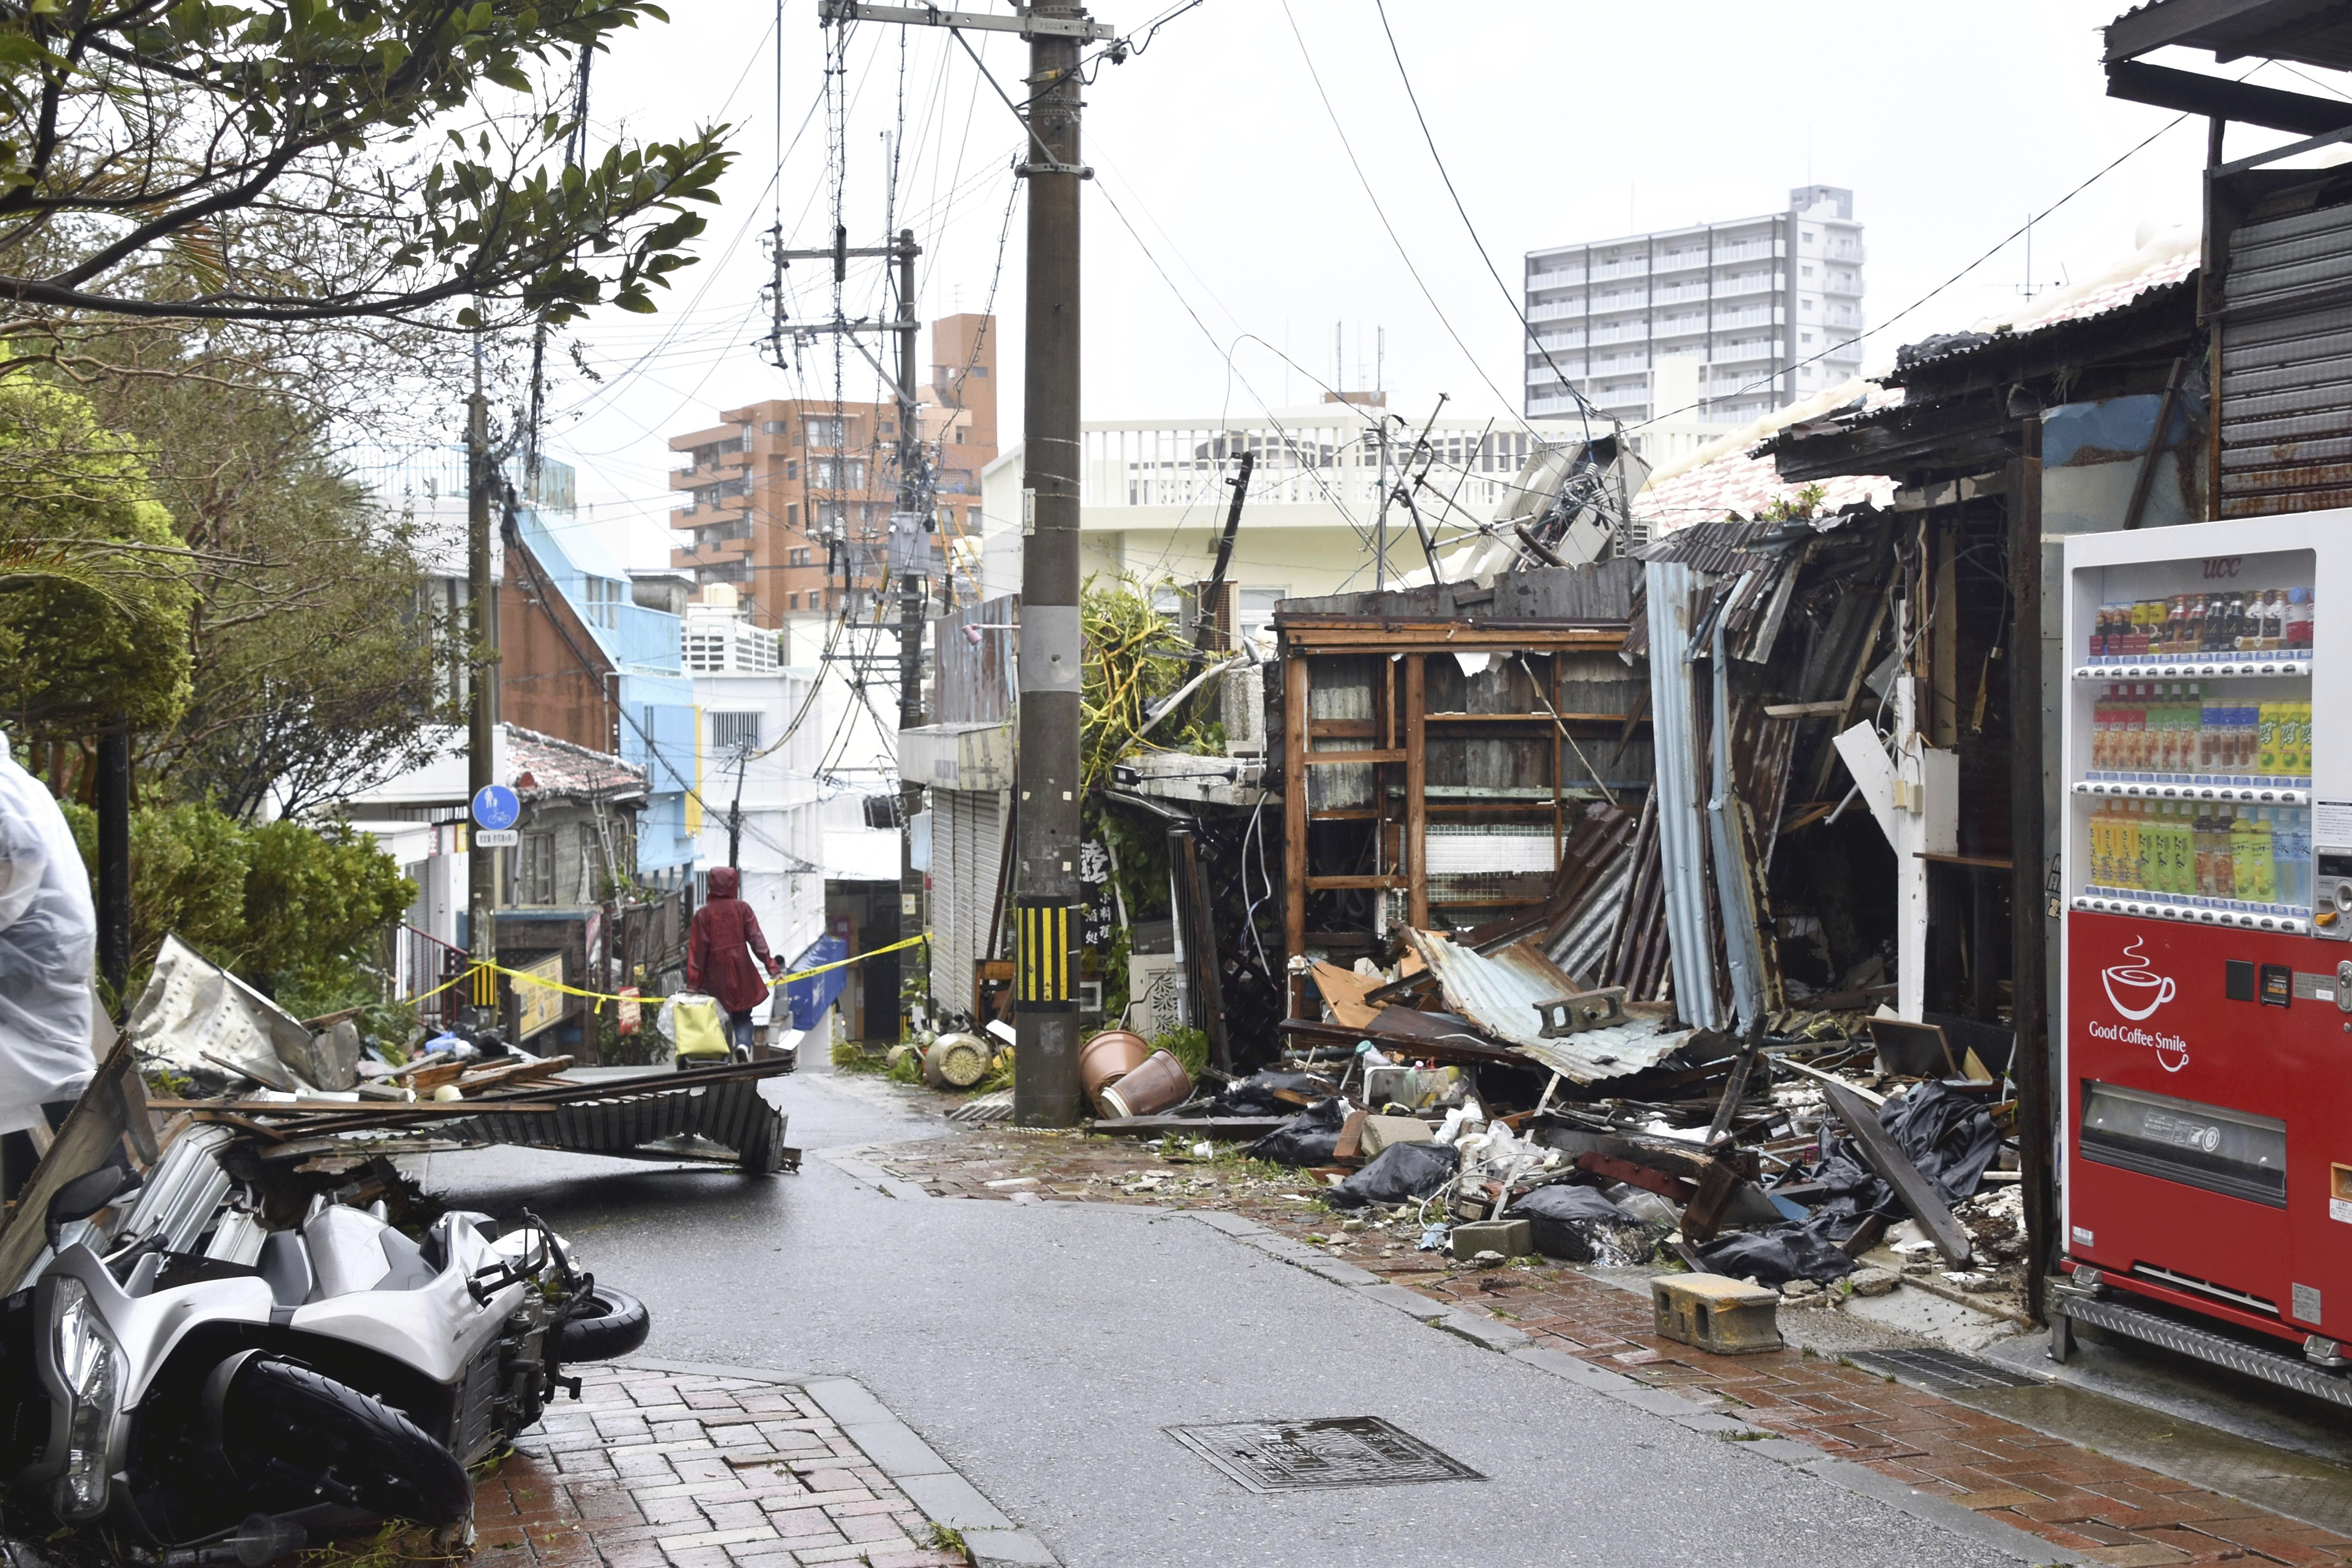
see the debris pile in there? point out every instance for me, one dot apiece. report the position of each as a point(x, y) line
point(1480, 1100)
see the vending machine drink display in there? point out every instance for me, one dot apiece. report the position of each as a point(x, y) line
point(2206, 1044)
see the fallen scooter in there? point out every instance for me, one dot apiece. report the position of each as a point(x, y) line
point(215, 1411)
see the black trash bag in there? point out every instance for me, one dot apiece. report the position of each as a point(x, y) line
point(1580, 1226)
point(1306, 1139)
point(1257, 1095)
point(1778, 1254)
point(1402, 1173)
point(1945, 1133)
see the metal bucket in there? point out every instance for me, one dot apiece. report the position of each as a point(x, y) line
point(1109, 1057)
point(1157, 1084)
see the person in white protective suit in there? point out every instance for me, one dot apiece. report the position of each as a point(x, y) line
point(48, 944)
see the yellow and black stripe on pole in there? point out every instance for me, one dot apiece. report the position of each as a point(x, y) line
point(486, 985)
point(1046, 953)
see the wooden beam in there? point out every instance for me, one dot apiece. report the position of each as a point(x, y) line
point(1896, 1169)
point(1416, 780)
point(1325, 884)
point(1336, 759)
point(1295, 724)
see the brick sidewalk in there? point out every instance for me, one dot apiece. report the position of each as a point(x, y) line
point(654, 1469)
point(2108, 1511)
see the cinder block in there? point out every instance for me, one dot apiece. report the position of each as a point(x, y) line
point(1511, 1237)
point(1711, 1312)
point(1379, 1131)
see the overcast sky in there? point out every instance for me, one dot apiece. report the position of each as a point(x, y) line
point(1227, 223)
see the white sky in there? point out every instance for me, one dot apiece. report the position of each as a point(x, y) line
point(1559, 121)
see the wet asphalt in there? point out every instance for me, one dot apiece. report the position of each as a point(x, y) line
point(1044, 1348)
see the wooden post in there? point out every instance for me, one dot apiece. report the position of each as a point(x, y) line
point(1416, 779)
point(1294, 729)
point(2032, 926)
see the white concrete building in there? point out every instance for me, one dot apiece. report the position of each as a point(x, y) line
point(1761, 307)
point(755, 761)
point(1155, 493)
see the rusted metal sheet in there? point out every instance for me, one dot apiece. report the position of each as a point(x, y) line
point(2287, 364)
point(972, 678)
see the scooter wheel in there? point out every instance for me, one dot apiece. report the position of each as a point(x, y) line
point(308, 1424)
point(609, 1324)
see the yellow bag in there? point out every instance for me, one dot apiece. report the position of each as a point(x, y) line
point(701, 1029)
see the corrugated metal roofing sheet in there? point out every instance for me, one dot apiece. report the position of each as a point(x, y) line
point(1499, 995)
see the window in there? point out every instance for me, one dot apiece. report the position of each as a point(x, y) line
point(534, 870)
point(791, 601)
point(792, 471)
point(1807, 269)
point(602, 605)
point(832, 518)
point(774, 428)
point(735, 731)
point(1805, 337)
point(838, 473)
point(744, 439)
point(826, 432)
point(979, 370)
point(802, 555)
point(792, 516)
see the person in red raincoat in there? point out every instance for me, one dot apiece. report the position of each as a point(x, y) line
point(719, 955)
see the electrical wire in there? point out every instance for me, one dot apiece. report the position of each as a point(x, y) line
point(1584, 405)
point(1381, 213)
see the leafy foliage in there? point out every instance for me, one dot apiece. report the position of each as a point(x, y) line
point(313, 670)
point(101, 632)
point(292, 910)
point(1133, 657)
point(269, 162)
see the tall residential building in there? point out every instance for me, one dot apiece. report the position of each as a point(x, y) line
point(789, 500)
point(1764, 307)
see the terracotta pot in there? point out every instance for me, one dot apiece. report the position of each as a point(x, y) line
point(1159, 1083)
point(1109, 1057)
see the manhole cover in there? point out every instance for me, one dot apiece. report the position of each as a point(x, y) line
point(1943, 1372)
point(1308, 1456)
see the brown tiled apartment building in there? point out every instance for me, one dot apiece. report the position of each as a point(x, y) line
point(783, 496)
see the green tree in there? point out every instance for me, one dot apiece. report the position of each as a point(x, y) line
point(322, 160)
point(108, 637)
point(294, 911)
point(312, 672)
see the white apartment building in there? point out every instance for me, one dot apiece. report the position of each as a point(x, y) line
point(1154, 496)
point(747, 703)
point(1762, 308)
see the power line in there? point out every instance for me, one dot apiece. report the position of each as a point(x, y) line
point(1381, 213)
point(1583, 405)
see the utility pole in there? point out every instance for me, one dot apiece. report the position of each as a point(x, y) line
point(907, 547)
point(1045, 1091)
point(1046, 1006)
point(482, 709)
point(910, 531)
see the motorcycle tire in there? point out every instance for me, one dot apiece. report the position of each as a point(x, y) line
point(274, 1410)
point(609, 1324)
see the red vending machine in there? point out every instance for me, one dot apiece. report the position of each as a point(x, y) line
point(2206, 1016)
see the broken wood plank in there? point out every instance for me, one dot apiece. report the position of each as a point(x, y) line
point(1896, 1169)
point(1703, 1215)
point(365, 1110)
point(1672, 1188)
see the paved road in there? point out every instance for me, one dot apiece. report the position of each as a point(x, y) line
point(1042, 1348)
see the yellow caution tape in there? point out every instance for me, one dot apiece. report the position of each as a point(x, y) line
point(483, 976)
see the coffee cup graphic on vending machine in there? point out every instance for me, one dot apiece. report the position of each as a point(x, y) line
point(2136, 990)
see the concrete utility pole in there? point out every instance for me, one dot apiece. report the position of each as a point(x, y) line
point(482, 711)
point(1045, 1005)
point(1045, 1091)
point(906, 547)
point(911, 533)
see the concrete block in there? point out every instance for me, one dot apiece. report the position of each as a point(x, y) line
point(1714, 1313)
point(1511, 1237)
point(1379, 1131)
